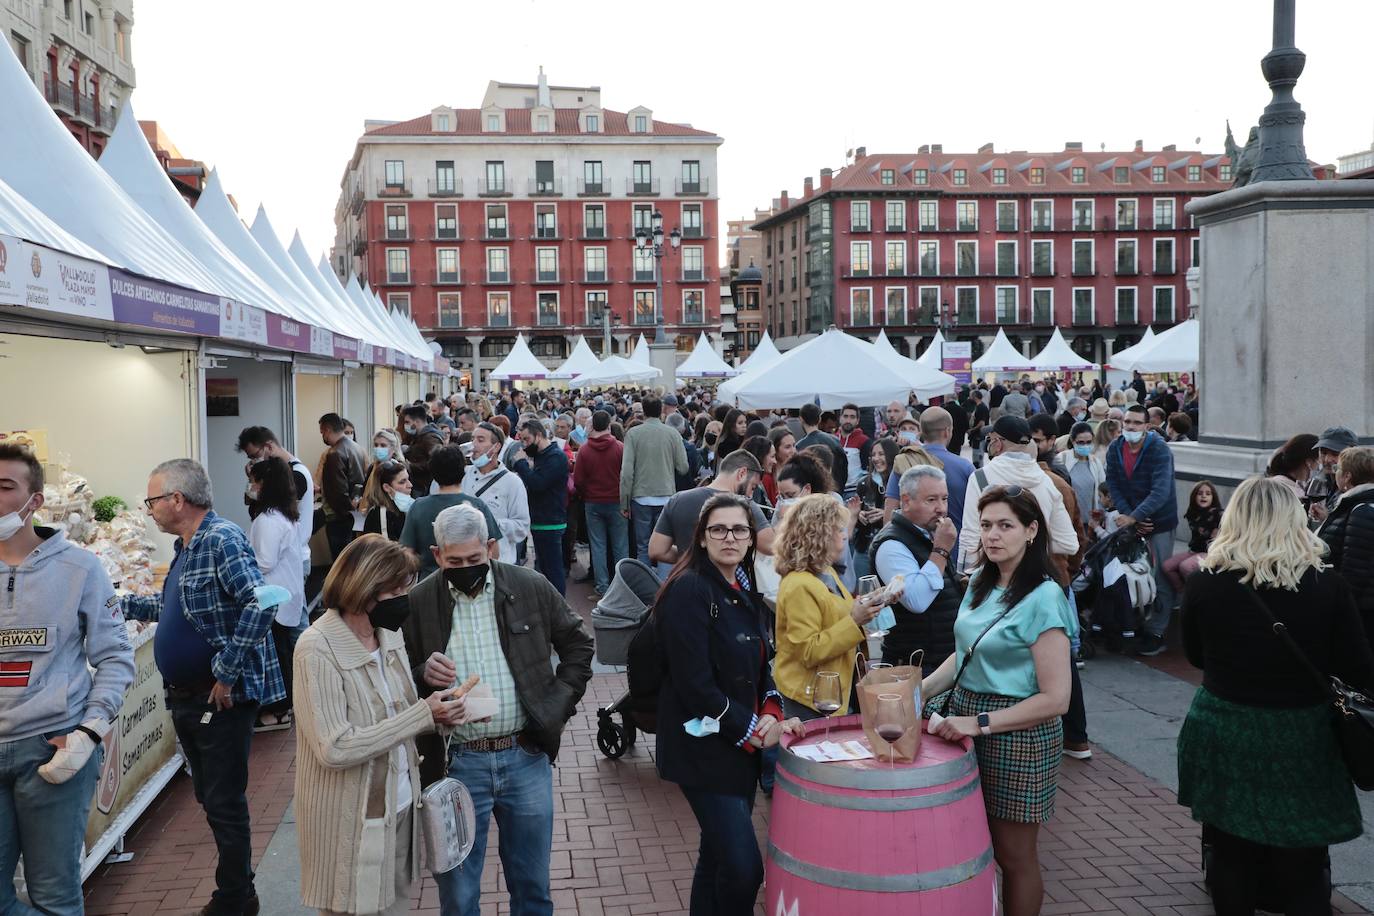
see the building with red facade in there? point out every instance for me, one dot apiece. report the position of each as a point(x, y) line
point(521, 216)
point(79, 54)
point(1095, 243)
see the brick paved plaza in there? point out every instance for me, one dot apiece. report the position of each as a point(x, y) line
point(625, 842)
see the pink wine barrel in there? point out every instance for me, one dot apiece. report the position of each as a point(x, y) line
point(869, 838)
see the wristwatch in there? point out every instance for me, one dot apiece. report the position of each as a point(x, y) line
point(984, 723)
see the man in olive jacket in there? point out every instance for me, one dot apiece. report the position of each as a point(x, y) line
point(502, 623)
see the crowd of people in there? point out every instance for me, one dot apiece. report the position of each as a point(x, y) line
point(1027, 522)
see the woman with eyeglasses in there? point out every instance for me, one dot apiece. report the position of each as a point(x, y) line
point(820, 625)
point(389, 498)
point(717, 708)
point(1011, 664)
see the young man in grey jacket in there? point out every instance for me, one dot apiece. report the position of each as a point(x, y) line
point(653, 457)
point(65, 662)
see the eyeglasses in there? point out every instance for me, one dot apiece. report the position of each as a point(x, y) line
point(720, 532)
point(1013, 491)
point(148, 503)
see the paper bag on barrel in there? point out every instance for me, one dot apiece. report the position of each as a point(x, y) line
point(884, 680)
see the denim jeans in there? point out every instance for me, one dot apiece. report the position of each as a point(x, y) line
point(1161, 544)
point(46, 824)
point(606, 527)
point(729, 865)
point(217, 752)
point(644, 519)
point(517, 787)
point(548, 558)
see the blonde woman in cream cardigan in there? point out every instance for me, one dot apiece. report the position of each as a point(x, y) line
point(820, 625)
point(357, 771)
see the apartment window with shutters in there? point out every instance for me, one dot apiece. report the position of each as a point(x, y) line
point(1006, 216)
point(546, 265)
point(594, 262)
point(1164, 213)
point(498, 265)
point(966, 215)
point(858, 216)
point(496, 221)
point(1042, 215)
point(397, 223)
point(594, 221)
point(397, 265)
point(929, 253)
point(966, 259)
point(450, 310)
point(1007, 305)
point(445, 221)
point(446, 260)
point(896, 215)
point(1006, 259)
point(896, 259)
point(896, 305)
point(887, 176)
point(929, 214)
point(859, 259)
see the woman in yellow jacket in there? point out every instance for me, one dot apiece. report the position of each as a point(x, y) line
point(820, 625)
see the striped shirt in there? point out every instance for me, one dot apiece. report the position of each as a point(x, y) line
point(474, 644)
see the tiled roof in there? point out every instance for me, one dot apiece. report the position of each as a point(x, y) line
point(565, 121)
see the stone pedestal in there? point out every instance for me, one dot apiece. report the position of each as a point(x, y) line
point(663, 357)
point(1287, 309)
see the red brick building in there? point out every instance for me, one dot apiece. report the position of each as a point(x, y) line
point(1096, 243)
point(521, 216)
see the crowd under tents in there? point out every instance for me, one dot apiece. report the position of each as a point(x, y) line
point(617, 370)
point(521, 364)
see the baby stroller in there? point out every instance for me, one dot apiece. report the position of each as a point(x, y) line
point(1117, 582)
point(617, 617)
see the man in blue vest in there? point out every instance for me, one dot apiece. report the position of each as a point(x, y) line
point(917, 544)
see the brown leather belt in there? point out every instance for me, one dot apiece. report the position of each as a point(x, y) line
point(491, 745)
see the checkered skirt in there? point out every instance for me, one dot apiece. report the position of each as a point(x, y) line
point(1019, 770)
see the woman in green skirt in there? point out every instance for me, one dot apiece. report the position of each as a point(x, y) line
point(1258, 761)
point(1011, 664)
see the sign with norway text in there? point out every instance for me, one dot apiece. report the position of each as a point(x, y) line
point(162, 306)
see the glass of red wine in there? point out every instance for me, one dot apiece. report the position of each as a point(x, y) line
point(828, 695)
point(890, 722)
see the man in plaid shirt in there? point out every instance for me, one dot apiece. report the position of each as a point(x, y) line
point(216, 663)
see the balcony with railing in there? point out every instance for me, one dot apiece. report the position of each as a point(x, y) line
point(1042, 267)
point(1084, 267)
point(1126, 312)
point(546, 232)
point(646, 188)
point(602, 274)
point(696, 232)
point(860, 272)
point(860, 227)
point(396, 278)
point(1126, 266)
point(442, 277)
point(895, 268)
point(861, 316)
point(399, 187)
point(498, 318)
point(1008, 314)
point(545, 187)
point(385, 233)
point(444, 187)
point(587, 188)
point(544, 276)
point(494, 233)
point(1042, 313)
point(493, 187)
point(694, 314)
point(1005, 266)
point(360, 246)
point(966, 225)
point(642, 275)
point(643, 316)
point(699, 188)
point(1084, 314)
point(355, 205)
point(699, 275)
point(547, 316)
point(966, 313)
point(496, 277)
point(454, 234)
point(1165, 266)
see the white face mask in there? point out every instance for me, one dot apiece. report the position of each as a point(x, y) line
point(11, 524)
point(403, 501)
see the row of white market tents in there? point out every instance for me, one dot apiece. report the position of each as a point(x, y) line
point(582, 368)
point(150, 261)
point(1057, 356)
point(1174, 350)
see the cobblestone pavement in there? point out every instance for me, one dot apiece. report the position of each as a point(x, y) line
point(625, 842)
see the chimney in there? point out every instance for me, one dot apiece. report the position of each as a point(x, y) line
point(985, 149)
point(784, 198)
point(1171, 148)
point(860, 152)
point(937, 149)
point(776, 205)
point(1140, 146)
point(1073, 146)
point(924, 150)
point(807, 187)
point(825, 178)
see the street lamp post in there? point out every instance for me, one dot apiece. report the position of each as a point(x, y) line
point(943, 322)
point(607, 316)
point(654, 236)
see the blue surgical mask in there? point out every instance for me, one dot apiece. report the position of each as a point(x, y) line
point(403, 501)
point(1083, 451)
point(908, 436)
point(700, 728)
point(481, 461)
point(1133, 436)
point(382, 452)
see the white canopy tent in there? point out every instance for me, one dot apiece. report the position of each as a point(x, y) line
point(270, 243)
point(933, 355)
point(520, 364)
point(581, 360)
point(384, 333)
point(1128, 353)
point(704, 362)
point(763, 354)
point(1058, 356)
point(927, 381)
point(393, 338)
point(616, 370)
point(832, 370)
point(347, 316)
point(43, 163)
point(1174, 350)
point(1002, 357)
point(727, 389)
point(23, 220)
point(641, 351)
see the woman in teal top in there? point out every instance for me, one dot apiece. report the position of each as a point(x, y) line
point(1009, 693)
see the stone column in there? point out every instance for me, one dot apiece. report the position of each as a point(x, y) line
point(622, 342)
point(476, 361)
point(914, 342)
point(1108, 347)
point(107, 27)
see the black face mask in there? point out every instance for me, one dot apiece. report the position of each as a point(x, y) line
point(532, 450)
point(390, 613)
point(467, 579)
point(710, 438)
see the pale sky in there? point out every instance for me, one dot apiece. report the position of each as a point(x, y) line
point(274, 94)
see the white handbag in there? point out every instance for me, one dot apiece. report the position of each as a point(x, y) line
point(447, 823)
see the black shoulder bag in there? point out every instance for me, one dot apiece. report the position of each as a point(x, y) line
point(1353, 712)
point(968, 657)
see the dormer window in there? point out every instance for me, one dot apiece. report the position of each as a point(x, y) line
point(887, 176)
point(1194, 173)
point(1224, 172)
point(920, 176)
point(961, 176)
point(1121, 174)
point(1078, 174)
point(999, 176)
point(641, 124)
point(441, 119)
point(1157, 174)
point(493, 120)
point(441, 122)
point(1037, 175)
point(541, 124)
point(593, 124)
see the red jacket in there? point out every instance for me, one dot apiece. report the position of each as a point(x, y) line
point(596, 475)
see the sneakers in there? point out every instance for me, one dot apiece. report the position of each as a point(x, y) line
point(1078, 750)
point(1078, 659)
point(1150, 645)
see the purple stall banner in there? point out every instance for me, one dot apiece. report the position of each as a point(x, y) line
point(285, 334)
point(345, 347)
point(153, 304)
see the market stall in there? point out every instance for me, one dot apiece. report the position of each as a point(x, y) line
point(1172, 351)
point(1058, 356)
point(704, 363)
point(617, 370)
point(1001, 358)
point(763, 354)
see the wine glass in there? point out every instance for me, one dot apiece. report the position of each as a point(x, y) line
point(868, 585)
point(890, 721)
point(827, 695)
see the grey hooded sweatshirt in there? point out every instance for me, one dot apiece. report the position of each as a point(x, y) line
point(65, 656)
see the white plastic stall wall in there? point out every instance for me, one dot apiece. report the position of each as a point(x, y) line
point(114, 413)
point(384, 399)
point(316, 395)
point(248, 393)
point(358, 404)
